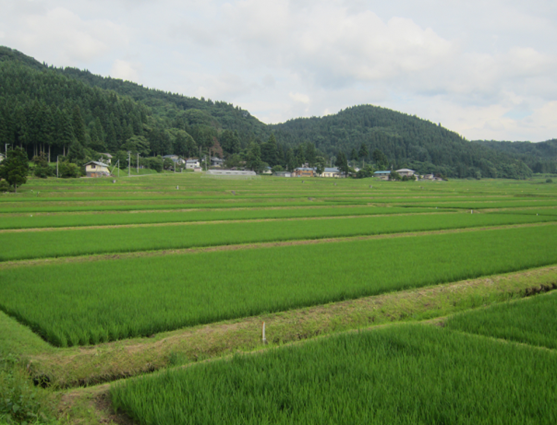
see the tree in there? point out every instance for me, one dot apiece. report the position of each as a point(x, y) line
point(15, 167)
point(380, 159)
point(253, 159)
point(230, 142)
point(363, 153)
point(269, 151)
point(342, 163)
point(319, 165)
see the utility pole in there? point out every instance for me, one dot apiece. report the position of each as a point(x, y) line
point(129, 163)
point(57, 166)
point(118, 165)
point(6, 149)
point(137, 163)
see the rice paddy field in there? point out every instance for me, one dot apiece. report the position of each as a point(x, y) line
point(98, 277)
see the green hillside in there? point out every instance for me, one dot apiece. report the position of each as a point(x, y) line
point(66, 111)
point(540, 157)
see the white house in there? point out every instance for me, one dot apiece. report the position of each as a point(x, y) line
point(331, 172)
point(405, 172)
point(96, 169)
point(192, 164)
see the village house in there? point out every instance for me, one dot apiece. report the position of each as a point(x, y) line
point(383, 175)
point(303, 172)
point(106, 158)
point(282, 174)
point(405, 172)
point(175, 159)
point(97, 169)
point(331, 172)
point(217, 162)
point(192, 164)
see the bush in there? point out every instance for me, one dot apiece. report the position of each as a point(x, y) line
point(4, 186)
point(44, 171)
point(68, 170)
point(549, 181)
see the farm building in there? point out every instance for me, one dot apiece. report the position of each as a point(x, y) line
point(303, 172)
point(282, 174)
point(192, 164)
point(106, 158)
point(331, 172)
point(175, 159)
point(96, 169)
point(231, 173)
point(405, 172)
point(216, 162)
point(383, 175)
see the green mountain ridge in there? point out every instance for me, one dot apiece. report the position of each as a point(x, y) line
point(540, 157)
point(44, 108)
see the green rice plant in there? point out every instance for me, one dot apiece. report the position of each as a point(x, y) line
point(68, 220)
point(405, 374)
point(75, 242)
point(137, 206)
point(147, 295)
point(531, 321)
point(488, 205)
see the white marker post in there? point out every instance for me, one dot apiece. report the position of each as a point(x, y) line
point(263, 334)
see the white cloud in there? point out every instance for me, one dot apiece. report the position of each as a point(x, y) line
point(125, 70)
point(298, 97)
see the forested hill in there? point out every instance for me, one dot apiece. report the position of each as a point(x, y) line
point(540, 157)
point(407, 141)
point(75, 113)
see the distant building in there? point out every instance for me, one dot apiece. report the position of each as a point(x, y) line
point(106, 158)
point(383, 175)
point(96, 169)
point(405, 172)
point(331, 172)
point(192, 164)
point(303, 172)
point(217, 162)
point(175, 159)
point(282, 174)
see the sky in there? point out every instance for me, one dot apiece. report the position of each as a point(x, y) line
point(485, 69)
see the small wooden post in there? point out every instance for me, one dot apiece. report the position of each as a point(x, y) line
point(263, 334)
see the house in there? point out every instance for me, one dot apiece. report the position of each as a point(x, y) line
point(267, 170)
point(216, 161)
point(429, 177)
point(303, 172)
point(331, 172)
point(175, 159)
point(106, 158)
point(192, 164)
point(282, 174)
point(97, 169)
point(405, 172)
point(383, 175)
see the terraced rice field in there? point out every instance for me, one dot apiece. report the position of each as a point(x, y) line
point(88, 264)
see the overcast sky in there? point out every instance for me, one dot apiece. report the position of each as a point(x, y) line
point(486, 69)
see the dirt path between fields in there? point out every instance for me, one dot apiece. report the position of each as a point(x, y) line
point(159, 253)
